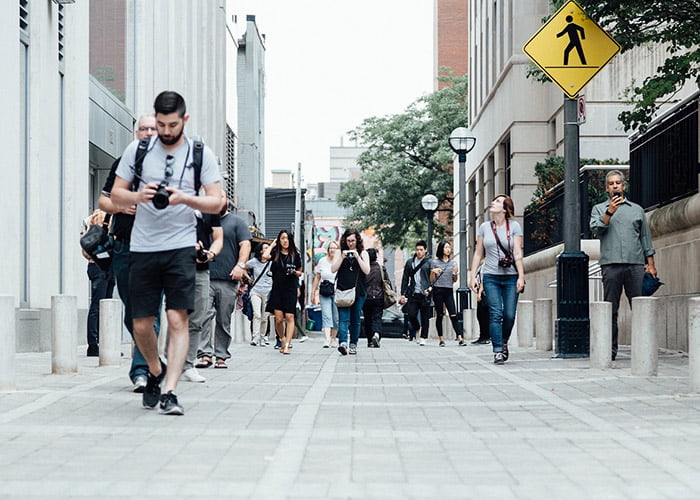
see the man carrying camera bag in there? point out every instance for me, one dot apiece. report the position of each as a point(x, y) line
point(163, 240)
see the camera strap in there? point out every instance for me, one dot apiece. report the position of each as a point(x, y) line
point(260, 275)
point(495, 235)
point(142, 151)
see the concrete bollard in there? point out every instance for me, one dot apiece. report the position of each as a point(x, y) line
point(468, 324)
point(64, 334)
point(8, 346)
point(110, 331)
point(543, 324)
point(601, 335)
point(694, 343)
point(526, 323)
point(645, 321)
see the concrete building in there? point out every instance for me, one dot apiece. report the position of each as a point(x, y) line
point(71, 125)
point(251, 122)
point(343, 162)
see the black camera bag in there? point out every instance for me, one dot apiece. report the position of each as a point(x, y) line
point(98, 245)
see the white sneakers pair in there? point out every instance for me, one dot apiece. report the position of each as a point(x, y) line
point(192, 375)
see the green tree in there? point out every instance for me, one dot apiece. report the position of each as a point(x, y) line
point(407, 157)
point(634, 23)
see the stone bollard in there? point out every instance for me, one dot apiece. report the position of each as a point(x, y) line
point(645, 323)
point(543, 324)
point(468, 324)
point(601, 335)
point(8, 345)
point(694, 343)
point(64, 334)
point(526, 322)
point(110, 331)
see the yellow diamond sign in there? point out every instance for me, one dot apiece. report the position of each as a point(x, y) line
point(571, 48)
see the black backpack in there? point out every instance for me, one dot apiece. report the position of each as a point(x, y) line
point(142, 151)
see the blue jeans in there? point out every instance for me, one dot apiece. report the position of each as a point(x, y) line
point(502, 301)
point(120, 267)
point(329, 312)
point(349, 321)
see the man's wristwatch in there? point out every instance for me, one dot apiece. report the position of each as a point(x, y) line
point(241, 265)
point(608, 213)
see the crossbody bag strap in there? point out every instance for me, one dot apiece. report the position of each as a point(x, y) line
point(260, 275)
point(495, 234)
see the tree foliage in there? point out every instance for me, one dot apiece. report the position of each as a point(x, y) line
point(634, 23)
point(407, 157)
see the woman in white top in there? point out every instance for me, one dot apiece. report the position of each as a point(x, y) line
point(262, 279)
point(500, 240)
point(324, 282)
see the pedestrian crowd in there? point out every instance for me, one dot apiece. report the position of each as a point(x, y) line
point(174, 240)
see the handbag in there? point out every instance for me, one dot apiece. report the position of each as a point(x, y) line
point(346, 298)
point(326, 289)
point(98, 245)
point(389, 293)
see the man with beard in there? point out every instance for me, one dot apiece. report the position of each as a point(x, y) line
point(163, 240)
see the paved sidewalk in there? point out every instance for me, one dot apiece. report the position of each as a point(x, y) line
point(402, 421)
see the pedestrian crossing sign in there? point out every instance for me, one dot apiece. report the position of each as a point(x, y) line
point(571, 48)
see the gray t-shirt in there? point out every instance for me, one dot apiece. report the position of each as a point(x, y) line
point(493, 251)
point(264, 284)
point(174, 227)
point(448, 269)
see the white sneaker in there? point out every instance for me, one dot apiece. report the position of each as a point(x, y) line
point(262, 342)
point(192, 375)
point(334, 343)
point(140, 383)
point(303, 338)
point(254, 343)
point(266, 340)
point(327, 343)
point(421, 341)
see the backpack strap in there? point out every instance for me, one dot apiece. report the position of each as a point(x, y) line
point(197, 159)
point(141, 152)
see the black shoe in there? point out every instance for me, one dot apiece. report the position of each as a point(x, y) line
point(505, 352)
point(481, 341)
point(442, 343)
point(151, 393)
point(343, 349)
point(169, 405)
point(93, 350)
point(498, 358)
point(614, 355)
point(462, 342)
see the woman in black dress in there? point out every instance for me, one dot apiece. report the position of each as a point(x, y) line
point(286, 269)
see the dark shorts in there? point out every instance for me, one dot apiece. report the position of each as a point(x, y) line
point(150, 273)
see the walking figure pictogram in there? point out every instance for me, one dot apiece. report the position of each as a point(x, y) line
point(573, 31)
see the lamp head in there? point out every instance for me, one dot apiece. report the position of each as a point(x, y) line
point(461, 140)
point(429, 203)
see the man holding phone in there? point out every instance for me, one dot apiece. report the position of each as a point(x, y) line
point(626, 252)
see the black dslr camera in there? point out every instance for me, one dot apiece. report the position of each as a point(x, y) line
point(506, 261)
point(162, 197)
point(202, 256)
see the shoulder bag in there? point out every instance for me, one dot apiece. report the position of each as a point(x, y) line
point(346, 298)
point(389, 293)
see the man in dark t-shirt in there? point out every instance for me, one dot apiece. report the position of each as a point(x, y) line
point(120, 230)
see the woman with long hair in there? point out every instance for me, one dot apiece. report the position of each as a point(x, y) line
point(444, 271)
point(286, 269)
point(503, 275)
point(261, 286)
point(351, 265)
point(324, 280)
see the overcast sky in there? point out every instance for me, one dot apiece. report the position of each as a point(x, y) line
point(330, 64)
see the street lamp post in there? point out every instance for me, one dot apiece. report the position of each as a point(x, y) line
point(461, 141)
point(429, 204)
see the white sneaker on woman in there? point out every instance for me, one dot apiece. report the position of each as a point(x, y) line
point(192, 375)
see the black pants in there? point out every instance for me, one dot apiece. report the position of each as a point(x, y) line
point(372, 311)
point(418, 303)
point(482, 316)
point(615, 277)
point(444, 299)
point(101, 287)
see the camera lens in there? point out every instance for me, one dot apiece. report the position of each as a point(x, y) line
point(162, 198)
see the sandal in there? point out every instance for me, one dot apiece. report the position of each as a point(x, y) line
point(204, 362)
point(220, 363)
